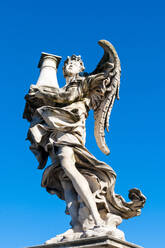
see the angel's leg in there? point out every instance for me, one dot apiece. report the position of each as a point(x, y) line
point(72, 203)
point(69, 194)
point(67, 160)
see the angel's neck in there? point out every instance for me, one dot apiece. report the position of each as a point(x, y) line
point(71, 79)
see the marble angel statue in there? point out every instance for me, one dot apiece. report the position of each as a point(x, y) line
point(57, 130)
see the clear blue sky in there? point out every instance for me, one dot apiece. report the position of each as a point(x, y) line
point(29, 215)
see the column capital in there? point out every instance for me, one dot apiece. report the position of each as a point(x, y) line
point(49, 56)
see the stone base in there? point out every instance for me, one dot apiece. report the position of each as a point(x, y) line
point(92, 242)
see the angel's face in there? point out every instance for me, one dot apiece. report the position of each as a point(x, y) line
point(72, 67)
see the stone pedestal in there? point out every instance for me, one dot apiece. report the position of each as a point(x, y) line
point(92, 242)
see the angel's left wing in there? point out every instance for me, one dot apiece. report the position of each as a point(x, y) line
point(104, 83)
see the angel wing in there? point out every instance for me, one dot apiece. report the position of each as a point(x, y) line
point(104, 89)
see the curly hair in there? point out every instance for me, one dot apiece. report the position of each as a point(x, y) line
point(77, 59)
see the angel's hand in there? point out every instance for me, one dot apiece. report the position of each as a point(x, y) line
point(34, 92)
point(33, 88)
point(32, 96)
point(39, 94)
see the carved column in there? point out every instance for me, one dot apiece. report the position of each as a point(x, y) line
point(48, 65)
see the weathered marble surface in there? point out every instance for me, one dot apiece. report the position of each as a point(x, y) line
point(57, 130)
point(92, 242)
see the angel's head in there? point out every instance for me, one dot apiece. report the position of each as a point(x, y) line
point(73, 66)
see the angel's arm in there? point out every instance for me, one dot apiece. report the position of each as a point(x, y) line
point(39, 96)
point(67, 94)
point(55, 96)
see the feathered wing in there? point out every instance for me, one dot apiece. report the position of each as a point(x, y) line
point(104, 89)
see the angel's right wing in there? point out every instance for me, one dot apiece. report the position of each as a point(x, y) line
point(104, 89)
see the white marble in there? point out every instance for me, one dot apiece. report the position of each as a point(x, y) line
point(57, 130)
point(48, 70)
